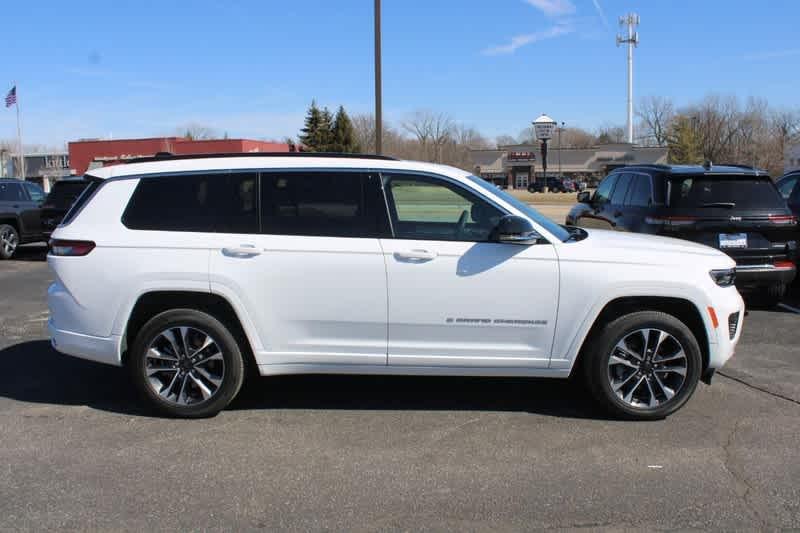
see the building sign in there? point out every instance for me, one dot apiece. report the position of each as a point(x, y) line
point(521, 156)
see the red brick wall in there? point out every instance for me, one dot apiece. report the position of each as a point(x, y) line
point(82, 153)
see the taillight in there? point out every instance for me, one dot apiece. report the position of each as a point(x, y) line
point(671, 221)
point(783, 219)
point(70, 248)
point(783, 264)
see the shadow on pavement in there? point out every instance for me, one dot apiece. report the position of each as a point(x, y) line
point(36, 373)
point(31, 252)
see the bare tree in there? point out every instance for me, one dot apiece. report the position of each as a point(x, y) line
point(610, 133)
point(656, 114)
point(193, 130)
point(429, 128)
point(504, 140)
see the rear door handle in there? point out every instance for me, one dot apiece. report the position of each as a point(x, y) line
point(416, 255)
point(243, 250)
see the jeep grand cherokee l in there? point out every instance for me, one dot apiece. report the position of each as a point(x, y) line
point(184, 268)
point(735, 209)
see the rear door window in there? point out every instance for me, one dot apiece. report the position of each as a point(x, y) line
point(743, 192)
point(640, 194)
point(222, 203)
point(323, 204)
point(34, 191)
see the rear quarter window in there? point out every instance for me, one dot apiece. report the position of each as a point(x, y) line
point(208, 203)
point(744, 192)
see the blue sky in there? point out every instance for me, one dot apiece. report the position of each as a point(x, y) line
point(142, 68)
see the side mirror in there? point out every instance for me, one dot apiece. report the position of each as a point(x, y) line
point(585, 197)
point(515, 230)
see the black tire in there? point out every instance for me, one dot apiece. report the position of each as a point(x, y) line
point(598, 351)
point(232, 376)
point(9, 240)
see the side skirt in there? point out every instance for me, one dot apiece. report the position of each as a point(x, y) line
point(403, 370)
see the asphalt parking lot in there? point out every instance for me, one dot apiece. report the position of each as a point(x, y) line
point(368, 453)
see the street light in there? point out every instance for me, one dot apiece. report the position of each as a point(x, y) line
point(544, 127)
point(378, 89)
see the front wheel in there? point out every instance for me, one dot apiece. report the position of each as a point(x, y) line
point(9, 240)
point(643, 366)
point(186, 364)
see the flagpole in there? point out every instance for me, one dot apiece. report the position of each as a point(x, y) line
point(19, 135)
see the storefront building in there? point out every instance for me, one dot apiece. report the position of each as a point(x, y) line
point(517, 166)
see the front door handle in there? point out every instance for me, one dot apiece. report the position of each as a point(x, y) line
point(416, 255)
point(243, 250)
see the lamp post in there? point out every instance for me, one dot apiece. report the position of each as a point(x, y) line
point(544, 127)
point(378, 82)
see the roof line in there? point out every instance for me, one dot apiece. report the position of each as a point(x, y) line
point(165, 156)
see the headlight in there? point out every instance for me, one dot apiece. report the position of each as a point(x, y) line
point(724, 278)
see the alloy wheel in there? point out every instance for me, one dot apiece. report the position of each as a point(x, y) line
point(184, 365)
point(8, 241)
point(647, 368)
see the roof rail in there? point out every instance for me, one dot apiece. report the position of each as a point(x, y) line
point(736, 165)
point(649, 165)
point(166, 156)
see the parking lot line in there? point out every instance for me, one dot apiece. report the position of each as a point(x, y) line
point(789, 308)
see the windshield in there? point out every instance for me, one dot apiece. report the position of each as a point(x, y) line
point(742, 192)
point(558, 231)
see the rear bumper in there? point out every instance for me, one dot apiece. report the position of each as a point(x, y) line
point(758, 275)
point(99, 349)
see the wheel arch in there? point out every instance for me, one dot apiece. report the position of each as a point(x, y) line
point(681, 308)
point(154, 302)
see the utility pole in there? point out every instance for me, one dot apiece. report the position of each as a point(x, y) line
point(378, 96)
point(631, 20)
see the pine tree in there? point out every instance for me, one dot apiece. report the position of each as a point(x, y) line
point(311, 134)
point(344, 136)
point(326, 132)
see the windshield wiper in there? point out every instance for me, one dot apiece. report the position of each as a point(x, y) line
point(720, 204)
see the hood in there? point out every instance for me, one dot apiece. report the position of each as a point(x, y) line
point(637, 248)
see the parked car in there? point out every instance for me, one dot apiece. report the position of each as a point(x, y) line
point(553, 185)
point(185, 268)
point(20, 222)
point(61, 196)
point(735, 209)
point(787, 183)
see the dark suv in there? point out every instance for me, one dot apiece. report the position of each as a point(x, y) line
point(553, 185)
point(61, 197)
point(20, 221)
point(735, 209)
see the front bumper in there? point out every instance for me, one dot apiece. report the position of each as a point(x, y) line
point(729, 309)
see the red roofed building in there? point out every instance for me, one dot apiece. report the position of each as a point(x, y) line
point(87, 154)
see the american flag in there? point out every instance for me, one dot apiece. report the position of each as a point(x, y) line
point(11, 97)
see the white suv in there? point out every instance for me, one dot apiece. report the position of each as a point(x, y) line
point(188, 269)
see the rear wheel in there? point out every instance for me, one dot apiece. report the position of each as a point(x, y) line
point(643, 366)
point(9, 240)
point(186, 364)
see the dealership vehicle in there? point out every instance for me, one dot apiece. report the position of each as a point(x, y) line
point(553, 185)
point(61, 196)
point(186, 269)
point(20, 223)
point(735, 209)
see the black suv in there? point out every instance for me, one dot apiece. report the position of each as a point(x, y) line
point(20, 221)
point(553, 185)
point(61, 197)
point(735, 209)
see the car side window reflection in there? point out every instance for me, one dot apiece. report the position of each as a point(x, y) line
point(603, 192)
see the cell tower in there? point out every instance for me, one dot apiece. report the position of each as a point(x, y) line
point(631, 20)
